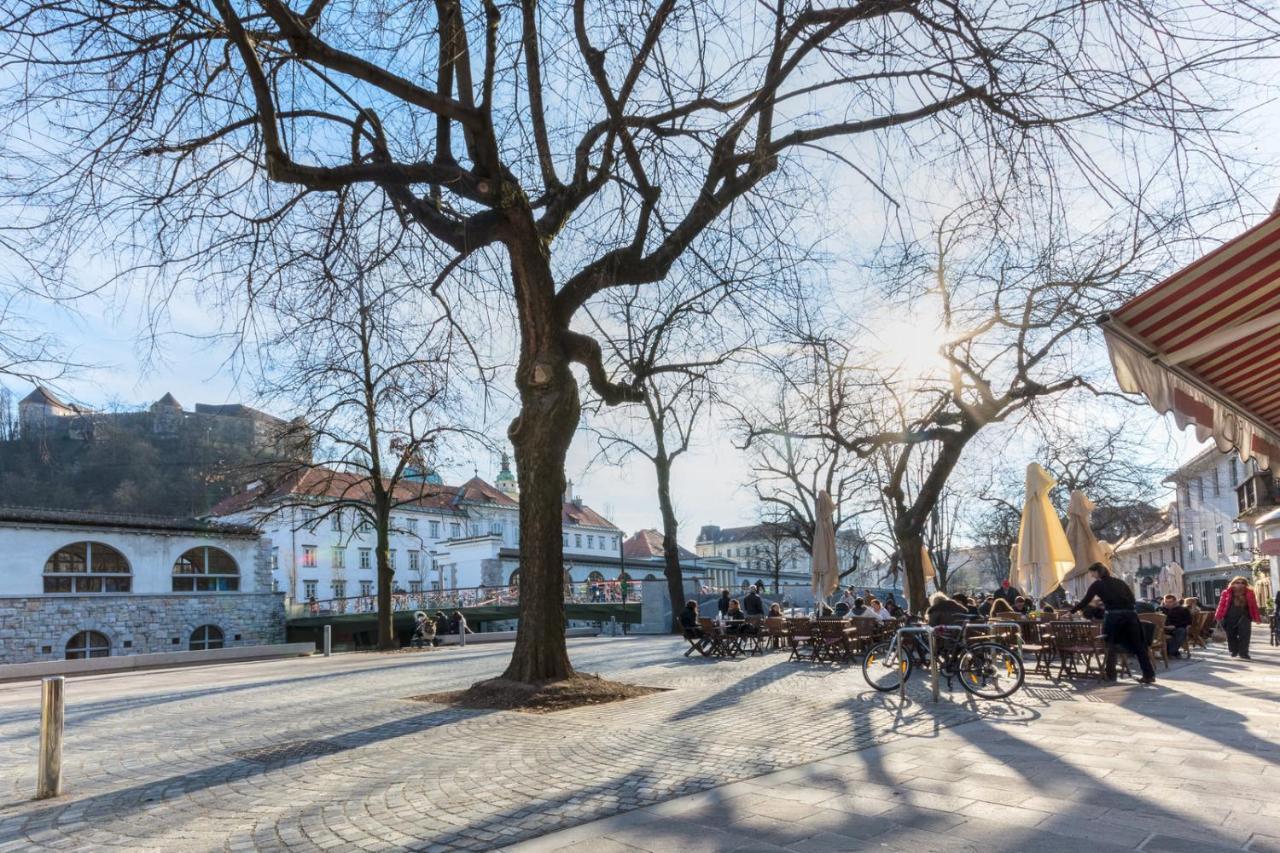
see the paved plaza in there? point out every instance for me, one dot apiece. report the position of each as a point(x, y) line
point(755, 754)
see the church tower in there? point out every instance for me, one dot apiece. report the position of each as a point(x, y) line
point(506, 481)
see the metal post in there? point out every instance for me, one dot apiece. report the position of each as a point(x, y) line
point(933, 663)
point(328, 640)
point(49, 781)
point(902, 667)
point(462, 635)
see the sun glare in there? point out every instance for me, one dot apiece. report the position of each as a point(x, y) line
point(908, 348)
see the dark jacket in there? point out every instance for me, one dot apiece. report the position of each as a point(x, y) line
point(1176, 616)
point(946, 613)
point(688, 619)
point(1008, 593)
point(723, 604)
point(753, 604)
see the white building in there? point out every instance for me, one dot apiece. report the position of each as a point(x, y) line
point(443, 537)
point(1215, 538)
point(768, 552)
point(1138, 559)
point(80, 584)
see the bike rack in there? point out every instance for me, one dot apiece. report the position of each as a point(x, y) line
point(933, 658)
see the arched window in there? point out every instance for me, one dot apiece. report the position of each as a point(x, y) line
point(87, 567)
point(514, 581)
point(88, 644)
point(595, 577)
point(206, 637)
point(650, 577)
point(206, 569)
point(624, 577)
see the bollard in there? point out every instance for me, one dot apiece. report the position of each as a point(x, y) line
point(462, 636)
point(613, 626)
point(328, 640)
point(49, 781)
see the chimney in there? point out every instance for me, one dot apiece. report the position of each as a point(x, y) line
point(568, 491)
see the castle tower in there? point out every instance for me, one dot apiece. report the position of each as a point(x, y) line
point(506, 481)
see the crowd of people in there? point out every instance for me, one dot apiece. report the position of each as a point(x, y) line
point(1108, 600)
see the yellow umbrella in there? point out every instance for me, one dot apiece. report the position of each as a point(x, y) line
point(1044, 555)
point(825, 574)
point(1085, 547)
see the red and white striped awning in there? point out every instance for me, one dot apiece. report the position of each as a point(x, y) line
point(1204, 344)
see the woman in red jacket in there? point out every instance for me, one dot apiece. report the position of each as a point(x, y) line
point(1237, 610)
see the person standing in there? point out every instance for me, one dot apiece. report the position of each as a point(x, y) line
point(723, 604)
point(752, 603)
point(1007, 592)
point(1237, 611)
point(1120, 625)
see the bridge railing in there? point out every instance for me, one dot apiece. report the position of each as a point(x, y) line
point(431, 600)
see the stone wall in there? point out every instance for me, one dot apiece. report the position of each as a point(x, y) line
point(37, 628)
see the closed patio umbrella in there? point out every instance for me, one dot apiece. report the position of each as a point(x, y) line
point(1170, 580)
point(1044, 555)
point(825, 574)
point(1085, 547)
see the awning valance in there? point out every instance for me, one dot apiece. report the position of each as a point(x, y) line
point(1204, 344)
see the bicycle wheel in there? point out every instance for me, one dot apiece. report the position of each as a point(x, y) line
point(883, 671)
point(990, 670)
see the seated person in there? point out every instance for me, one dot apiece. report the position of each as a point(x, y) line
point(945, 611)
point(1177, 621)
point(1048, 610)
point(879, 611)
point(752, 603)
point(775, 610)
point(738, 620)
point(859, 608)
point(842, 609)
point(1021, 605)
point(689, 621)
point(999, 607)
point(966, 602)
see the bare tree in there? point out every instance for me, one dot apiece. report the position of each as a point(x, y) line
point(370, 371)
point(790, 462)
point(590, 147)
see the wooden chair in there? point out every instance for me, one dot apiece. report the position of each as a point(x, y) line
point(1199, 633)
point(776, 630)
point(862, 634)
point(831, 641)
point(799, 637)
point(698, 642)
point(720, 645)
point(1159, 642)
point(1074, 643)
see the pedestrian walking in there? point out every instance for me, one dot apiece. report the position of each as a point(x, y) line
point(1237, 611)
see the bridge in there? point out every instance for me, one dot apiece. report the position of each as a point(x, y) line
point(354, 619)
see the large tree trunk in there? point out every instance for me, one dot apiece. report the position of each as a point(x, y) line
point(909, 544)
point(387, 640)
point(670, 542)
point(540, 435)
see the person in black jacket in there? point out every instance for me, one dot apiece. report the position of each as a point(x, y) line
point(752, 603)
point(723, 604)
point(1177, 621)
point(1120, 626)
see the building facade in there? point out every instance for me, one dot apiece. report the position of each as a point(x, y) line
point(442, 536)
point(1217, 531)
point(769, 553)
point(93, 585)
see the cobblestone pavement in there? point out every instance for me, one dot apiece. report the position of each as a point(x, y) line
point(1191, 764)
point(318, 753)
point(327, 754)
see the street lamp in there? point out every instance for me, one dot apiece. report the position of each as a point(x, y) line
point(1240, 536)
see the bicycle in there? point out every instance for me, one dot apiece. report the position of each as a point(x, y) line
point(984, 667)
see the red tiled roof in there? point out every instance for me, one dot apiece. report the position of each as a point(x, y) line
point(648, 544)
point(325, 483)
point(476, 490)
point(581, 514)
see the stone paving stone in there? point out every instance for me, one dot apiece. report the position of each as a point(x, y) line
point(719, 752)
